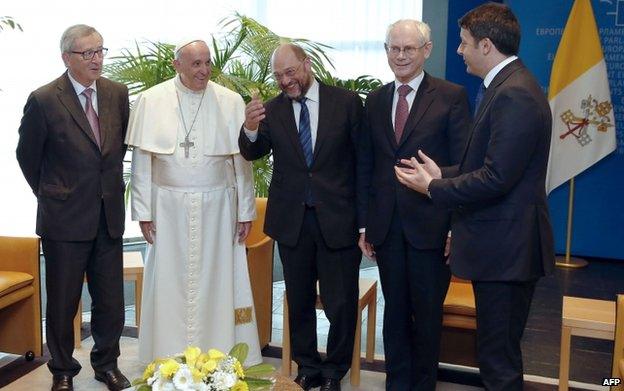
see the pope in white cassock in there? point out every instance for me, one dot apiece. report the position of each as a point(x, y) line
point(192, 194)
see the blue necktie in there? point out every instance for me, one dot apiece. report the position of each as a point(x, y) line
point(479, 98)
point(305, 135)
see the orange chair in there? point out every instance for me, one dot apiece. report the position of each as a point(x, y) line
point(260, 265)
point(20, 297)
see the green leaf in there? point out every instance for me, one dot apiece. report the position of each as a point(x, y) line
point(138, 381)
point(258, 384)
point(144, 387)
point(240, 351)
point(259, 370)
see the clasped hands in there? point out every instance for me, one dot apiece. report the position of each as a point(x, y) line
point(416, 175)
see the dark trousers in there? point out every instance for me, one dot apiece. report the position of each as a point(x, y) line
point(337, 272)
point(502, 312)
point(66, 264)
point(414, 283)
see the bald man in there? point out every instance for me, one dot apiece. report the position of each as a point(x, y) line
point(193, 196)
point(312, 130)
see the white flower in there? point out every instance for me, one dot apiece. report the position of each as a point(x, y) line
point(161, 384)
point(183, 379)
point(201, 386)
point(223, 380)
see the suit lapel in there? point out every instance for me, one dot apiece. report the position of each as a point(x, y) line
point(422, 101)
point(386, 114)
point(104, 99)
point(490, 92)
point(325, 115)
point(287, 116)
point(67, 95)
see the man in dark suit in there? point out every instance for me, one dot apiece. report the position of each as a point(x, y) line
point(71, 150)
point(312, 130)
point(502, 236)
point(402, 228)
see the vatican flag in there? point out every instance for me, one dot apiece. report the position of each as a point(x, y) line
point(583, 129)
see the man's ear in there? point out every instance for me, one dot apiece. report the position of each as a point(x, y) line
point(65, 57)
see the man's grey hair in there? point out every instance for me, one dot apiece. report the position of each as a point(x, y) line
point(73, 33)
point(424, 32)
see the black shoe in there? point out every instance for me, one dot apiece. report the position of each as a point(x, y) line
point(330, 385)
point(114, 379)
point(306, 382)
point(62, 383)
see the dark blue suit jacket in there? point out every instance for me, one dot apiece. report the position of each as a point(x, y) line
point(438, 123)
point(501, 225)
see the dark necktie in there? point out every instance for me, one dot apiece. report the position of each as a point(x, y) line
point(92, 115)
point(305, 134)
point(479, 98)
point(402, 111)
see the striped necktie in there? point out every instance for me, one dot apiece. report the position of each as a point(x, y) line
point(305, 134)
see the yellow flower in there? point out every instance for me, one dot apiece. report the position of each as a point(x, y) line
point(169, 368)
point(197, 375)
point(149, 370)
point(208, 367)
point(191, 354)
point(240, 386)
point(214, 354)
point(239, 369)
point(201, 360)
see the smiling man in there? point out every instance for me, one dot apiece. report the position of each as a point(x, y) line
point(70, 151)
point(192, 194)
point(401, 228)
point(312, 130)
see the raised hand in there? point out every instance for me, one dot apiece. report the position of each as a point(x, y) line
point(254, 113)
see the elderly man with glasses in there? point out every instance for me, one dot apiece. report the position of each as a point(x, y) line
point(401, 228)
point(71, 151)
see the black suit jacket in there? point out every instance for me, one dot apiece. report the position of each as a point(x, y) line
point(438, 124)
point(331, 178)
point(501, 226)
point(63, 165)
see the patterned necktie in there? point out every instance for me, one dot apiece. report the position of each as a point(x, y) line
point(91, 115)
point(478, 99)
point(305, 134)
point(402, 111)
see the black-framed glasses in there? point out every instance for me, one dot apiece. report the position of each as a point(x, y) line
point(407, 50)
point(89, 54)
point(290, 72)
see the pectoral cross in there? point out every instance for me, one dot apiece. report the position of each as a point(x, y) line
point(187, 145)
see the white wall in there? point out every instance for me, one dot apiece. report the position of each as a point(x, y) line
point(32, 58)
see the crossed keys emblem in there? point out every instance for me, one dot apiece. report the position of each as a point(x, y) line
point(594, 113)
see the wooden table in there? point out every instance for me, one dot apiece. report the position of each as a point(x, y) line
point(584, 318)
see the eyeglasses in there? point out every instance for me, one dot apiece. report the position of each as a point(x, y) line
point(290, 72)
point(89, 54)
point(409, 51)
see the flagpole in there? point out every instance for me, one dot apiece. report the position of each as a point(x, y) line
point(567, 261)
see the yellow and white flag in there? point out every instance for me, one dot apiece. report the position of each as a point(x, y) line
point(580, 101)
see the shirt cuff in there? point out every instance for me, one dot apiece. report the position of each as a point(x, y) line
point(251, 135)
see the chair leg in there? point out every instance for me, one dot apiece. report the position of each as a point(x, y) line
point(564, 359)
point(138, 291)
point(77, 325)
point(371, 326)
point(355, 361)
point(286, 355)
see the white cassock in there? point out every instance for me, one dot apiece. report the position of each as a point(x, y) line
point(196, 283)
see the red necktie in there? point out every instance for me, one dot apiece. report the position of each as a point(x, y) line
point(402, 111)
point(92, 115)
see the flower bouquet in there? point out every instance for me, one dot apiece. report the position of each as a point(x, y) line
point(210, 371)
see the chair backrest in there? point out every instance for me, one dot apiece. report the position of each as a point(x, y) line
point(257, 228)
point(20, 254)
point(618, 350)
